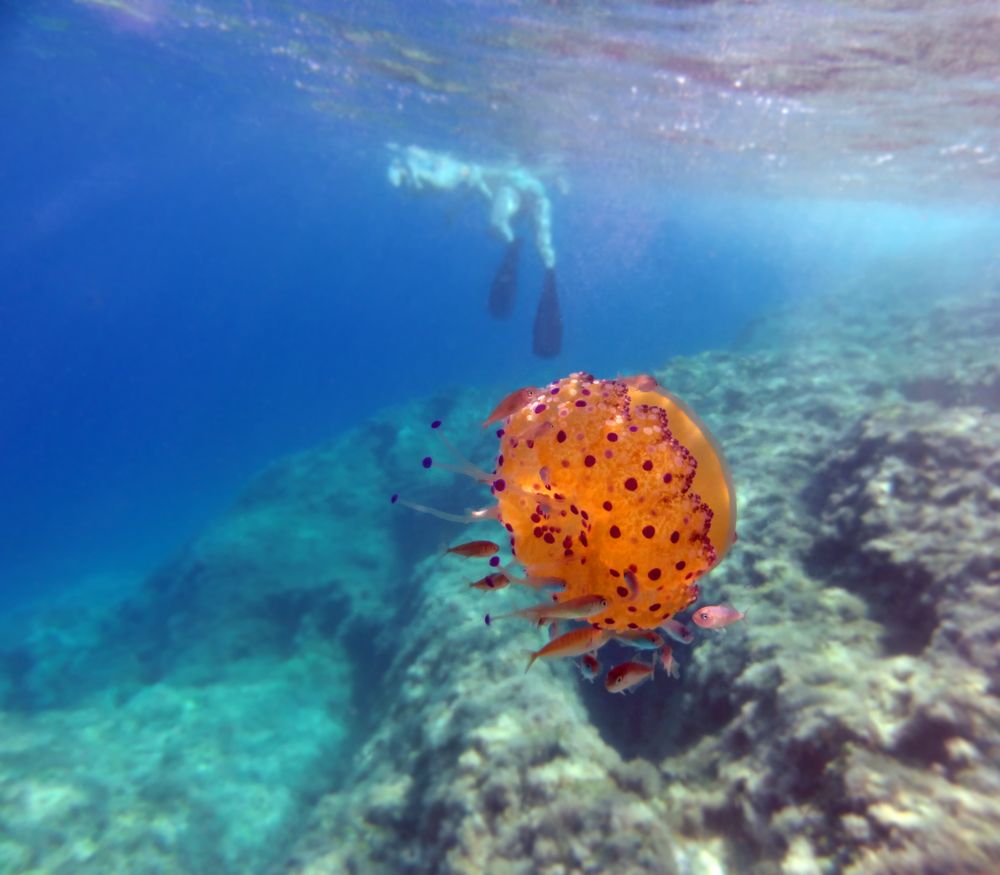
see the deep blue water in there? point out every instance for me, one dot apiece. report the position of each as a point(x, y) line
point(195, 280)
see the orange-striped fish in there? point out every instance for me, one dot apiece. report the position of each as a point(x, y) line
point(669, 663)
point(633, 585)
point(474, 549)
point(590, 668)
point(574, 643)
point(627, 675)
point(717, 616)
point(534, 432)
point(496, 580)
point(571, 609)
point(641, 639)
point(678, 631)
point(511, 404)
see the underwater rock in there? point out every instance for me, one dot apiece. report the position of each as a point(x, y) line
point(475, 767)
point(184, 727)
point(173, 779)
point(911, 523)
point(859, 732)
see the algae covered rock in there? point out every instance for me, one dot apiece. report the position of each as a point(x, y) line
point(476, 767)
point(911, 518)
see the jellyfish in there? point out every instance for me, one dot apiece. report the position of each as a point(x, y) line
point(616, 489)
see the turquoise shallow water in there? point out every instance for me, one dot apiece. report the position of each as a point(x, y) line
point(232, 301)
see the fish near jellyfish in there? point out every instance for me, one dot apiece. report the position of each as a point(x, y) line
point(616, 489)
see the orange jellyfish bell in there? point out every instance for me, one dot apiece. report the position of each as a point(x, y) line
point(619, 491)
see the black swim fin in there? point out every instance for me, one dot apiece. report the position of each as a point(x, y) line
point(504, 288)
point(548, 320)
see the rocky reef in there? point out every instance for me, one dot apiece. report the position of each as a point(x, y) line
point(309, 688)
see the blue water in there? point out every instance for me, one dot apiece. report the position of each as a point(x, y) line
point(204, 270)
point(196, 280)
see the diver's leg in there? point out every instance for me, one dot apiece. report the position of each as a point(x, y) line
point(548, 320)
point(504, 288)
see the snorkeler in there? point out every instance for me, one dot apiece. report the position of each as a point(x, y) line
point(512, 191)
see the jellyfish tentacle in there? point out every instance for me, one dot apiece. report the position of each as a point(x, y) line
point(472, 516)
point(461, 464)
